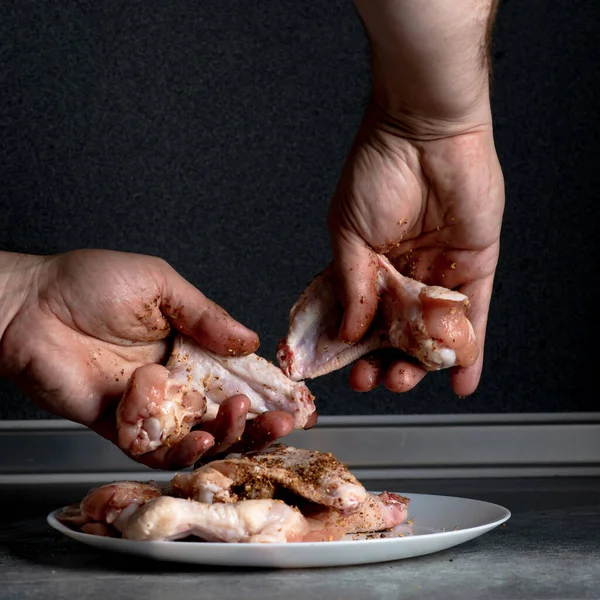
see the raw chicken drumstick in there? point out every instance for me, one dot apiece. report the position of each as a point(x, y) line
point(162, 404)
point(426, 322)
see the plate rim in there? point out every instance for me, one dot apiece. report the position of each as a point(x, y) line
point(506, 515)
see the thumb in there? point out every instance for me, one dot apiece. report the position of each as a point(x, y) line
point(190, 312)
point(355, 269)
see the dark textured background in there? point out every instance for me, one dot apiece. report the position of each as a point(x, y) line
point(212, 134)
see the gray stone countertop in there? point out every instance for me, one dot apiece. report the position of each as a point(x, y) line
point(549, 549)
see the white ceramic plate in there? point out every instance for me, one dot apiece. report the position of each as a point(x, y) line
point(436, 523)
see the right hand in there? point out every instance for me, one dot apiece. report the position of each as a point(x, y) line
point(422, 184)
point(434, 208)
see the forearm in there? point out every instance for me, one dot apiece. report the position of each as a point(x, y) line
point(430, 58)
point(17, 274)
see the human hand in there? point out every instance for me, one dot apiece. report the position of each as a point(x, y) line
point(422, 183)
point(77, 325)
point(434, 207)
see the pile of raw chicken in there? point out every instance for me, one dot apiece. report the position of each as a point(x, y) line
point(281, 494)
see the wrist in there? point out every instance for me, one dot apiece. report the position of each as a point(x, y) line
point(402, 119)
point(453, 102)
point(430, 62)
point(18, 275)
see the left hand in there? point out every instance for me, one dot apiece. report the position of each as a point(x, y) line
point(87, 319)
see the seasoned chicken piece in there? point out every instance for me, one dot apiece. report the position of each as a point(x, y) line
point(377, 513)
point(232, 500)
point(426, 322)
point(162, 404)
point(315, 476)
point(258, 521)
point(136, 512)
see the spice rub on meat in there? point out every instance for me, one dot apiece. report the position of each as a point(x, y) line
point(282, 494)
point(316, 477)
point(378, 513)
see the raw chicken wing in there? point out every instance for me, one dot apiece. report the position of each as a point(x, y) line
point(162, 404)
point(426, 322)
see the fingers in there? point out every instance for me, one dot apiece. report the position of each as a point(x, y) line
point(215, 437)
point(229, 432)
point(262, 431)
point(229, 425)
point(184, 454)
point(403, 376)
point(194, 315)
point(259, 433)
point(397, 374)
point(465, 380)
point(367, 373)
point(355, 269)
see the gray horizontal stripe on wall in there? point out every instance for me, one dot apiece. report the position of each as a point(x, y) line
point(374, 446)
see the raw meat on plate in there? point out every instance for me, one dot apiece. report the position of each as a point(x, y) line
point(283, 494)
